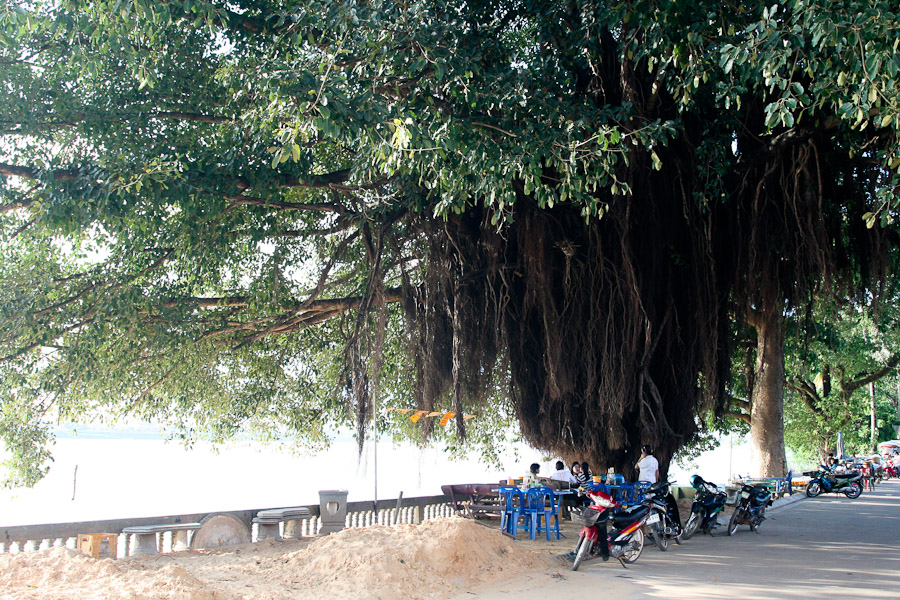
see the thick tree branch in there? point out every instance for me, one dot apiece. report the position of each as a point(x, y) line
point(303, 206)
point(864, 379)
point(807, 393)
point(307, 307)
point(75, 119)
point(16, 205)
point(8, 170)
point(740, 416)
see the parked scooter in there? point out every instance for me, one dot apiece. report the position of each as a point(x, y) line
point(708, 503)
point(827, 480)
point(750, 508)
point(664, 522)
point(623, 540)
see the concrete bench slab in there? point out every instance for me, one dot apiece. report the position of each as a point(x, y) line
point(268, 522)
point(146, 535)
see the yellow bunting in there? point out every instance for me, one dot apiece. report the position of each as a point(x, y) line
point(446, 418)
point(433, 414)
point(415, 418)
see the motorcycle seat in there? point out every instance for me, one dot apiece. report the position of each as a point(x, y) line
point(845, 475)
point(628, 515)
point(759, 497)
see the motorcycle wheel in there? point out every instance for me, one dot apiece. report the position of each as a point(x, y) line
point(662, 542)
point(635, 546)
point(736, 517)
point(692, 525)
point(853, 490)
point(813, 488)
point(584, 550)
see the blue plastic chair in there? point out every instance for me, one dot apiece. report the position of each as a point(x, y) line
point(633, 493)
point(626, 493)
point(640, 490)
point(514, 510)
point(543, 505)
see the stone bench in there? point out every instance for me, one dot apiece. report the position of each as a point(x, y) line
point(146, 536)
point(268, 522)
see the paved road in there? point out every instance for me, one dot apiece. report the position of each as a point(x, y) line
point(826, 547)
point(822, 547)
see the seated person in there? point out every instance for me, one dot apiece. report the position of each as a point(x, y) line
point(533, 477)
point(584, 476)
point(563, 474)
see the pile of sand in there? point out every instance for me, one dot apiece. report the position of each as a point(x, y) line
point(431, 560)
point(404, 561)
point(60, 574)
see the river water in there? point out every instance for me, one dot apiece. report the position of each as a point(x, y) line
point(121, 473)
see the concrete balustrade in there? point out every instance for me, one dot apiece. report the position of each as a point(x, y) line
point(30, 538)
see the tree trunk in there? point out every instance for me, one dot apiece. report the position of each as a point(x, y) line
point(767, 399)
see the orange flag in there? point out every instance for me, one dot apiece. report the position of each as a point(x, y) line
point(415, 418)
point(446, 418)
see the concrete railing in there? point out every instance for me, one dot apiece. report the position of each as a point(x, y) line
point(27, 538)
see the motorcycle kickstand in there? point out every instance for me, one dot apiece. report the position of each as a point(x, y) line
point(622, 562)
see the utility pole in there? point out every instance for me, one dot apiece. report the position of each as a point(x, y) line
point(872, 412)
point(897, 427)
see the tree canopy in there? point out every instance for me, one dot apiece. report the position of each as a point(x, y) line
point(257, 211)
point(839, 357)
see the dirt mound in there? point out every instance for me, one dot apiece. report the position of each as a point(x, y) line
point(404, 561)
point(426, 561)
point(62, 574)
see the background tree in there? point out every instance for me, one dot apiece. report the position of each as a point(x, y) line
point(836, 354)
point(566, 201)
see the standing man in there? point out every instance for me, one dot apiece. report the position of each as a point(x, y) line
point(647, 466)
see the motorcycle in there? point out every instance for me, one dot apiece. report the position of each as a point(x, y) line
point(623, 540)
point(664, 523)
point(750, 508)
point(826, 480)
point(708, 503)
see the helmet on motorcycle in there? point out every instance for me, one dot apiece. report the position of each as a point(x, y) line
point(696, 481)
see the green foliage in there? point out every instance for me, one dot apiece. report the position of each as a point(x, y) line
point(834, 354)
point(26, 439)
point(203, 201)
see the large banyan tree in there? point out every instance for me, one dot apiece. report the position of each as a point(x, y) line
point(255, 212)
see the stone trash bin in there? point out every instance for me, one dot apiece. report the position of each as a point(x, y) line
point(332, 510)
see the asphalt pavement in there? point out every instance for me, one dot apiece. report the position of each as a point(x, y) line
point(822, 547)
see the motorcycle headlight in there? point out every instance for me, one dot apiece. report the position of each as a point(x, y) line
point(589, 516)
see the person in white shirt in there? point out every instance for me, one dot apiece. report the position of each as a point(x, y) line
point(647, 466)
point(563, 474)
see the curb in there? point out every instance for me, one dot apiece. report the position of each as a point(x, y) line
point(783, 502)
